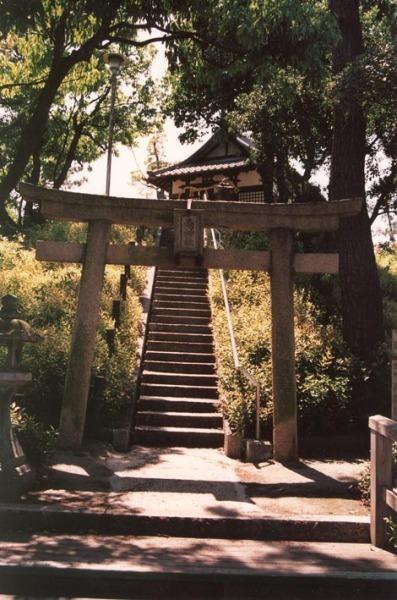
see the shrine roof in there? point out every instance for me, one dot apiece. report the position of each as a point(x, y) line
point(179, 169)
point(222, 152)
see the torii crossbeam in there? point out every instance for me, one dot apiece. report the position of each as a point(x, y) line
point(281, 221)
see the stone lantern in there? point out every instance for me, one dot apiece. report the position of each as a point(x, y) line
point(16, 476)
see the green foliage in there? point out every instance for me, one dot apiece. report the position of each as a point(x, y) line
point(335, 390)
point(325, 371)
point(261, 68)
point(78, 122)
point(364, 484)
point(265, 68)
point(47, 294)
point(37, 440)
point(392, 531)
point(387, 263)
point(54, 105)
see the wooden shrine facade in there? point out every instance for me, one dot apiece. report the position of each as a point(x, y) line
point(220, 169)
point(189, 219)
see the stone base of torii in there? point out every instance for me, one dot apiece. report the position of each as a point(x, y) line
point(190, 217)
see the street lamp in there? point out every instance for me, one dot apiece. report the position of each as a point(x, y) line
point(115, 62)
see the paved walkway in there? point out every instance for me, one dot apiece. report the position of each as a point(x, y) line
point(189, 482)
point(190, 523)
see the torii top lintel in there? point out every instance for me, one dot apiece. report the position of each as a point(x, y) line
point(63, 205)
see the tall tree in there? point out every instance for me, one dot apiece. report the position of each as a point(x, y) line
point(259, 68)
point(361, 295)
point(267, 68)
point(60, 37)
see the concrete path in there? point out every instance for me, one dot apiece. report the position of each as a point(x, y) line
point(195, 482)
point(177, 523)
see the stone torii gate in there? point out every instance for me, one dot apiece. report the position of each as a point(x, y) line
point(189, 217)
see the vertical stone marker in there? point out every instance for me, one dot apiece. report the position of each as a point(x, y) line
point(394, 375)
point(78, 375)
point(285, 436)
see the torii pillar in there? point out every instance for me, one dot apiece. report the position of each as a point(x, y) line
point(78, 374)
point(285, 434)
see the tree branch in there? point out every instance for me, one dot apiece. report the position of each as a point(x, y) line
point(7, 86)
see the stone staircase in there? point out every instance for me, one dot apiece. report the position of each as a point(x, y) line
point(178, 391)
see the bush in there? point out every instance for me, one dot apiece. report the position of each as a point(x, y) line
point(37, 440)
point(326, 371)
point(47, 294)
point(335, 390)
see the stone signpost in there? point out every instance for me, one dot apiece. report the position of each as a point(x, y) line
point(281, 221)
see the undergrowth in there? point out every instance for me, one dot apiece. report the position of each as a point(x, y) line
point(47, 295)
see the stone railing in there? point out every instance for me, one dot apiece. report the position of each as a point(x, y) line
point(383, 497)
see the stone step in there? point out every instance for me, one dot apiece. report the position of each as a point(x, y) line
point(169, 336)
point(182, 304)
point(164, 292)
point(155, 326)
point(182, 283)
point(217, 544)
point(181, 313)
point(169, 288)
point(179, 327)
point(179, 367)
point(180, 419)
point(175, 319)
point(174, 404)
point(84, 517)
point(181, 296)
point(186, 437)
point(180, 357)
point(198, 568)
point(180, 347)
point(191, 273)
point(179, 391)
point(186, 379)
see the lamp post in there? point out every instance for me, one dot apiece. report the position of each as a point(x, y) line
point(115, 62)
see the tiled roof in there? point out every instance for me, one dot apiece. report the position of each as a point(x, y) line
point(192, 169)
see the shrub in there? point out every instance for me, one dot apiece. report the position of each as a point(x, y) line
point(325, 370)
point(37, 440)
point(47, 294)
point(335, 390)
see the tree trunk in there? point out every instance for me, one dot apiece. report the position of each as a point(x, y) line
point(266, 171)
point(361, 295)
point(59, 180)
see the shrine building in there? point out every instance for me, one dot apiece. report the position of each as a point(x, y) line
point(221, 168)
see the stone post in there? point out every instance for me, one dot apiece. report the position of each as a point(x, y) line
point(285, 438)
point(78, 374)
